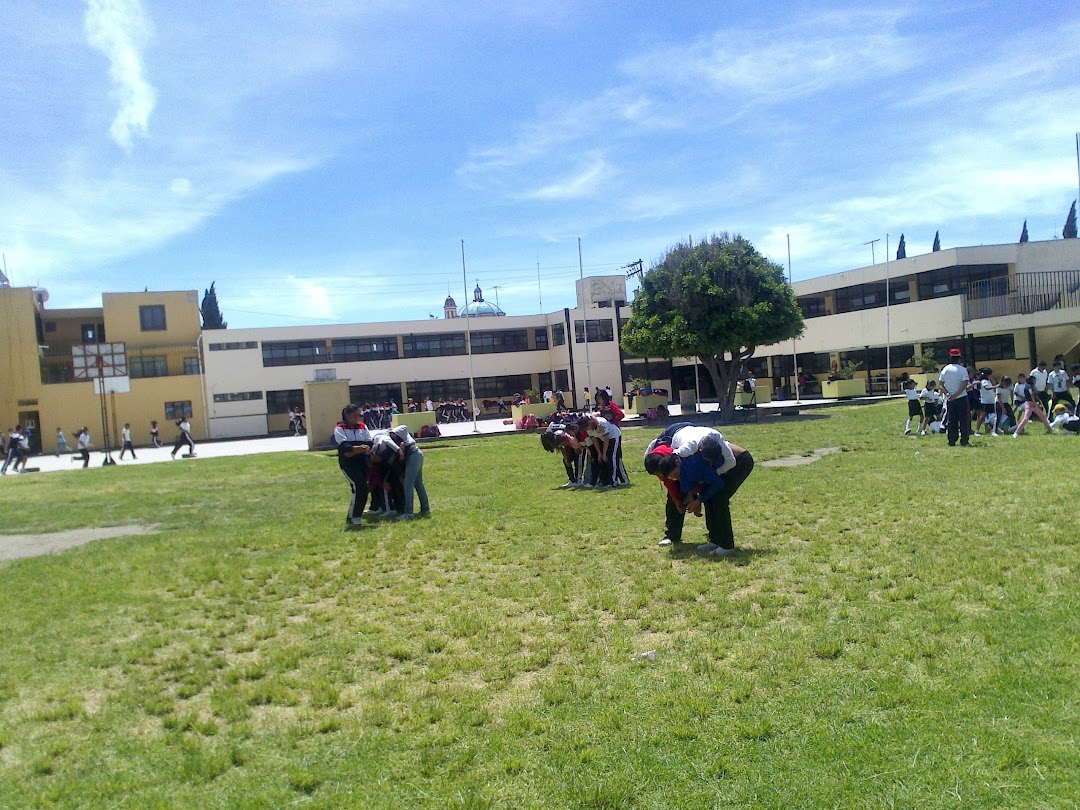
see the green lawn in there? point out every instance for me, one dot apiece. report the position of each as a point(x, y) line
point(900, 629)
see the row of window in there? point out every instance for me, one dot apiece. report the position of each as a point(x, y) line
point(931, 284)
point(241, 344)
point(444, 344)
point(157, 366)
point(243, 396)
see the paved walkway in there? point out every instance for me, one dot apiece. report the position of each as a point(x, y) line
point(278, 444)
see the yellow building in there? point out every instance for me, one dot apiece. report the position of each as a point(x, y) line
point(40, 369)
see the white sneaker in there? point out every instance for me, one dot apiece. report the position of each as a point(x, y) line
point(568, 485)
point(707, 547)
point(722, 552)
point(922, 432)
point(994, 433)
point(667, 541)
point(907, 432)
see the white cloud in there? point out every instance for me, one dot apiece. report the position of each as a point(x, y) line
point(120, 30)
point(582, 183)
point(180, 186)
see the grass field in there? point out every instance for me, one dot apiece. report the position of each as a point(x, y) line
point(899, 629)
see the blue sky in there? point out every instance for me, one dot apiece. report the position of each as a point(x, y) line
point(322, 160)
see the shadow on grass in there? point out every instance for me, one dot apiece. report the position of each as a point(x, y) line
point(741, 557)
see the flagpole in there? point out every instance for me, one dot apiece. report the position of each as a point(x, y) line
point(585, 317)
point(468, 337)
point(794, 353)
point(888, 334)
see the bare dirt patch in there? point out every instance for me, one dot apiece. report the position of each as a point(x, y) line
point(18, 546)
point(795, 461)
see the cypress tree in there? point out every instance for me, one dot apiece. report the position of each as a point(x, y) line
point(901, 249)
point(937, 241)
point(1069, 232)
point(211, 314)
point(1023, 233)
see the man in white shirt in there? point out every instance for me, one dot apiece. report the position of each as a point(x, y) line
point(954, 382)
point(710, 443)
point(125, 435)
point(1057, 381)
point(1038, 378)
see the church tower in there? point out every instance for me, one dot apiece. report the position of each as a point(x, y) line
point(449, 308)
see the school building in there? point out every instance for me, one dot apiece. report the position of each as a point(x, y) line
point(148, 340)
point(1005, 305)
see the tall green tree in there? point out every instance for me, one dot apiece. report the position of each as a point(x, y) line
point(1024, 233)
point(937, 241)
point(211, 314)
point(901, 249)
point(717, 300)
point(1069, 231)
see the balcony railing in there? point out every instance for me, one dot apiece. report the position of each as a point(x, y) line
point(1022, 294)
point(170, 361)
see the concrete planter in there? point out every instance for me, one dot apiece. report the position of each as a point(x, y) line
point(843, 389)
point(415, 421)
point(643, 403)
point(538, 409)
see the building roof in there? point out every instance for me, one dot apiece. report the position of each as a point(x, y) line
point(480, 309)
point(449, 302)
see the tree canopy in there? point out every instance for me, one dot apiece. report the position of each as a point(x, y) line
point(211, 314)
point(717, 300)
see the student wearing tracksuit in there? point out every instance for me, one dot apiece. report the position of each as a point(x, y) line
point(561, 438)
point(386, 477)
point(184, 438)
point(353, 442)
point(412, 456)
point(607, 439)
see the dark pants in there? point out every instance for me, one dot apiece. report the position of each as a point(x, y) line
point(959, 416)
point(357, 476)
point(85, 457)
point(127, 448)
point(181, 441)
point(717, 509)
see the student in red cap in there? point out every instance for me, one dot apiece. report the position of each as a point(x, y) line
point(955, 382)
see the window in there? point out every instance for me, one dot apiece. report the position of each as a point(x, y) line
point(495, 387)
point(953, 280)
point(814, 363)
point(562, 380)
point(153, 366)
point(178, 410)
point(243, 396)
point(294, 353)
point(510, 340)
point(376, 394)
point(89, 333)
point(50, 326)
point(540, 338)
point(281, 401)
point(558, 334)
point(993, 347)
point(243, 344)
point(438, 345)
point(191, 365)
point(349, 350)
point(152, 318)
point(860, 296)
point(599, 332)
point(812, 307)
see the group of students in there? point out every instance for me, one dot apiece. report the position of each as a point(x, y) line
point(997, 406)
point(590, 445)
point(385, 464)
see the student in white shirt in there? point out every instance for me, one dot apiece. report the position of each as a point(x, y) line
point(987, 403)
point(931, 404)
point(1019, 395)
point(84, 447)
point(184, 438)
point(608, 440)
point(914, 407)
point(712, 445)
point(1003, 408)
point(125, 435)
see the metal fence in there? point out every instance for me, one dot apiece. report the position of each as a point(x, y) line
point(1022, 294)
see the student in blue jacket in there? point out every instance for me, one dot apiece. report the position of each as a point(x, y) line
point(702, 486)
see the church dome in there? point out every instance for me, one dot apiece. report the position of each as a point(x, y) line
point(449, 302)
point(480, 309)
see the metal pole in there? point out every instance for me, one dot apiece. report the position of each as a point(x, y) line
point(1078, 166)
point(794, 353)
point(585, 318)
point(202, 387)
point(468, 338)
point(888, 334)
point(539, 293)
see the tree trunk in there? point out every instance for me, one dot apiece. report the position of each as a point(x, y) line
point(726, 374)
